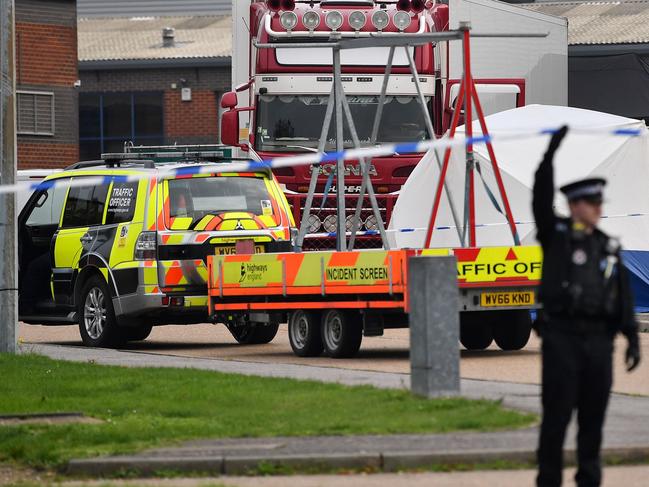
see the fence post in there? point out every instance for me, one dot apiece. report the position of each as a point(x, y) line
point(8, 262)
point(434, 326)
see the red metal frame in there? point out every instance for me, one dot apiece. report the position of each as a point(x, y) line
point(447, 110)
point(468, 94)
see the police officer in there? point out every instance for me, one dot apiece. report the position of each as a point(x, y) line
point(586, 300)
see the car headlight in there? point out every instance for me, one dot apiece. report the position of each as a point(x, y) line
point(401, 20)
point(288, 20)
point(334, 20)
point(313, 223)
point(311, 20)
point(329, 223)
point(380, 19)
point(357, 20)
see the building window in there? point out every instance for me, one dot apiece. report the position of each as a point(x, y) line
point(108, 120)
point(35, 112)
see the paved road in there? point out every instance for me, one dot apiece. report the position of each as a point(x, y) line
point(378, 354)
point(613, 477)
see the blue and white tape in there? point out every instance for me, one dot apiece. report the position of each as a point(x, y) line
point(310, 158)
point(450, 227)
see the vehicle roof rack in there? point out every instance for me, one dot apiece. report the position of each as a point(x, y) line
point(108, 161)
point(82, 164)
point(176, 153)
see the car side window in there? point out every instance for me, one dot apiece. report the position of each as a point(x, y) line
point(47, 208)
point(85, 206)
point(121, 204)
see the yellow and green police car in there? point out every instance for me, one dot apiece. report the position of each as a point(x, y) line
point(127, 251)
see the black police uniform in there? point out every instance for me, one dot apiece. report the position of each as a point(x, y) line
point(586, 299)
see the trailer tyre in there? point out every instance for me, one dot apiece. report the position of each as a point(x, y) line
point(254, 333)
point(512, 329)
point(341, 333)
point(304, 333)
point(476, 332)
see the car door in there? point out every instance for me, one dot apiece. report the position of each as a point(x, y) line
point(37, 224)
point(83, 213)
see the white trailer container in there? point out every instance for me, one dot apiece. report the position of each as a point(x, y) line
point(542, 63)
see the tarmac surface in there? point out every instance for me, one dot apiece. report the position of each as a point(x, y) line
point(613, 477)
point(388, 353)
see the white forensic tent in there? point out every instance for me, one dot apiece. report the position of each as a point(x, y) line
point(622, 160)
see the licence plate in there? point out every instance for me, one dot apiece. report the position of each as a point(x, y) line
point(232, 250)
point(509, 298)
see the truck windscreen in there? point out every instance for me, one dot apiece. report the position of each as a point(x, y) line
point(289, 123)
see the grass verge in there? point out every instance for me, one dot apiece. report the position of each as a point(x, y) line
point(147, 407)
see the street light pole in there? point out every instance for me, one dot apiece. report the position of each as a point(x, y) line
point(8, 241)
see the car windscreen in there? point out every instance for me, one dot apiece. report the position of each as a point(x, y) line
point(198, 197)
point(291, 123)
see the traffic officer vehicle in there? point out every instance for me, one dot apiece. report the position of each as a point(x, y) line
point(125, 255)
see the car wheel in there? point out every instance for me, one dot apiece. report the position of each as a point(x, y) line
point(304, 333)
point(97, 322)
point(341, 333)
point(475, 330)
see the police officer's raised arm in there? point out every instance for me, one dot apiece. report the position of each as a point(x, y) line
point(543, 192)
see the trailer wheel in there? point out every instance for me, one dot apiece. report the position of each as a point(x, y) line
point(341, 333)
point(304, 333)
point(512, 329)
point(476, 332)
point(254, 333)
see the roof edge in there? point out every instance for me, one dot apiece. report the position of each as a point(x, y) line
point(107, 64)
point(607, 49)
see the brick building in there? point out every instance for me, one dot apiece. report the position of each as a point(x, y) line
point(151, 80)
point(46, 75)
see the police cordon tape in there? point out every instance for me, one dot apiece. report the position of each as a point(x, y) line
point(311, 158)
point(449, 227)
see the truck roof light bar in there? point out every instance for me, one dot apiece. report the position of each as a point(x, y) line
point(311, 20)
point(288, 20)
point(274, 5)
point(401, 20)
point(334, 20)
point(322, 33)
point(357, 19)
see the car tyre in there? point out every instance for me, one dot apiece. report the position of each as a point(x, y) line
point(97, 323)
point(341, 333)
point(304, 333)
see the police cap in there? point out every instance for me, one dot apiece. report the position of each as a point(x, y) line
point(588, 189)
